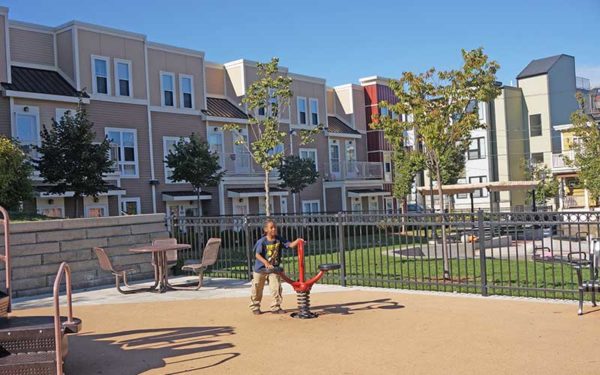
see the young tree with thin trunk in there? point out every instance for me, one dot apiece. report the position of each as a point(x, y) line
point(443, 106)
point(266, 99)
point(192, 161)
point(297, 173)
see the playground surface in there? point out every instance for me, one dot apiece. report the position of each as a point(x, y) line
point(359, 331)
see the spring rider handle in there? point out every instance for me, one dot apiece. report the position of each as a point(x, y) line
point(302, 286)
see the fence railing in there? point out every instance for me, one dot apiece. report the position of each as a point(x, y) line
point(517, 254)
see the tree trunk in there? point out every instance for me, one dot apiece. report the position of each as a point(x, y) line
point(198, 202)
point(76, 198)
point(444, 236)
point(267, 202)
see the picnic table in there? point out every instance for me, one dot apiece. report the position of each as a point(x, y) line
point(159, 253)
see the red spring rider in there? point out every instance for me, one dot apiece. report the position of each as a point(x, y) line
point(303, 287)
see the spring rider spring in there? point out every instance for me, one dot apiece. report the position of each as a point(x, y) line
point(301, 286)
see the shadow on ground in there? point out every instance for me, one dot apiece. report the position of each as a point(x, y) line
point(136, 351)
point(353, 307)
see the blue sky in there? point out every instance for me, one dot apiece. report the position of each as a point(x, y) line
point(343, 40)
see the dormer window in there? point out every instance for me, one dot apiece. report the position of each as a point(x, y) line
point(167, 88)
point(101, 72)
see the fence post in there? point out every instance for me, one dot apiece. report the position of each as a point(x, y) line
point(482, 256)
point(342, 248)
point(249, 252)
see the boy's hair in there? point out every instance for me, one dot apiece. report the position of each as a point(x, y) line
point(267, 222)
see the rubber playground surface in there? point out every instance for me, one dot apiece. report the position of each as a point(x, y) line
point(358, 332)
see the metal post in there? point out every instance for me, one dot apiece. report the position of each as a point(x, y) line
point(249, 251)
point(482, 256)
point(534, 207)
point(342, 248)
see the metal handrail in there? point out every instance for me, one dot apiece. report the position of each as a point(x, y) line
point(6, 256)
point(63, 269)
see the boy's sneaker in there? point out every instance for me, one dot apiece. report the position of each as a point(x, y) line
point(280, 311)
point(256, 312)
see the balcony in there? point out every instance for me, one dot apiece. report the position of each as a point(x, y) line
point(241, 164)
point(582, 83)
point(352, 170)
point(559, 163)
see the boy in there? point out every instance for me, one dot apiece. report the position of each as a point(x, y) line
point(268, 255)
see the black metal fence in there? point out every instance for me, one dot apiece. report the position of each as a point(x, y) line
point(517, 254)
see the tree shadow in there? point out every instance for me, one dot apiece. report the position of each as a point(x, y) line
point(136, 351)
point(353, 307)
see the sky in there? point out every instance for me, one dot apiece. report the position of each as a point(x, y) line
point(344, 40)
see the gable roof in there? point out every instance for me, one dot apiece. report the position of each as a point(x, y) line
point(40, 81)
point(219, 107)
point(539, 66)
point(338, 126)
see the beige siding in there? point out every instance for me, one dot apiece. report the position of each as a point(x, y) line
point(64, 50)
point(95, 43)
point(215, 81)
point(159, 60)
point(360, 115)
point(47, 109)
point(330, 101)
point(3, 52)
point(31, 46)
point(308, 90)
point(535, 92)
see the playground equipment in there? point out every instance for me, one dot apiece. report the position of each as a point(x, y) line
point(34, 345)
point(302, 286)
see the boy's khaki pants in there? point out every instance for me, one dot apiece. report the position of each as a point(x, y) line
point(258, 284)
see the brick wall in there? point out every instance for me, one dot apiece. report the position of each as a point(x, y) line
point(38, 248)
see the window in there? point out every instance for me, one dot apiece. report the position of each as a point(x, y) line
point(356, 205)
point(477, 149)
point(27, 128)
point(96, 211)
point(278, 149)
point(169, 145)
point(123, 77)
point(56, 212)
point(481, 109)
point(334, 157)
point(272, 99)
point(535, 125)
point(311, 207)
point(373, 204)
point(262, 207)
point(480, 192)
point(389, 205)
point(462, 195)
point(537, 158)
point(314, 111)
point(130, 206)
point(186, 87)
point(301, 110)
point(384, 112)
point(60, 112)
point(167, 88)
point(101, 72)
point(309, 153)
point(125, 151)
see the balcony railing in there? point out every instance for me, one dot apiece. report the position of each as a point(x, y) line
point(559, 162)
point(352, 170)
point(582, 83)
point(241, 164)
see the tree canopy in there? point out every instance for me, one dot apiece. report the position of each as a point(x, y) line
point(15, 174)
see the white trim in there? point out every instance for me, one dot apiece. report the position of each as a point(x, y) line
point(55, 49)
point(359, 202)
point(343, 135)
point(173, 49)
point(214, 65)
point(87, 208)
point(181, 101)
point(310, 202)
point(372, 80)
point(149, 118)
point(303, 149)
point(305, 110)
point(37, 96)
point(227, 120)
point(118, 99)
point(7, 48)
point(70, 194)
point(34, 66)
point(301, 127)
point(102, 29)
point(166, 197)
point(255, 194)
point(116, 62)
point(135, 200)
point(178, 111)
point(21, 25)
point(93, 59)
point(135, 150)
point(563, 127)
point(305, 78)
point(247, 204)
point(162, 91)
point(221, 199)
point(32, 111)
point(369, 194)
point(370, 200)
point(76, 70)
point(281, 199)
point(165, 153)
point(310, 122)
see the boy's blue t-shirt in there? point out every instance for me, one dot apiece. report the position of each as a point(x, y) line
point(270, 250)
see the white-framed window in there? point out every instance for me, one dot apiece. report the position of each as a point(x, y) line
point(309, 153)
point(356, 204)
point(167, 89)
point(96, 210)
point(389, 205)
point(480, 192)
point(52, 207)
point(314, 111)
point(123, 85)
point(27, 128)
point(186, 91)
point(373, 204)
point(124, 150)
point(168, 145)
point(481, 110)
point(302, 115)
point(262, 207)
point(476, 149)
point(100, 75)
point(334, 157)
point(130, 206)
point(462, 195)
point(311, 207)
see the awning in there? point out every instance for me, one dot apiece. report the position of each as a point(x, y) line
point(359, 193)
point(469, 188)
point(175, 196)
point(44, 192)
point(254, 192)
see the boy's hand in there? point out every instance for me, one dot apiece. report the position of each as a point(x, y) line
point(269, 266)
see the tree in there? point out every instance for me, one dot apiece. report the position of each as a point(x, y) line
point(193, 162)
point(265, 100)
point(297, 173)
point(444, 109)
point(15, 173)
point(71, 160)
point(586, 149)
point(548, 184)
